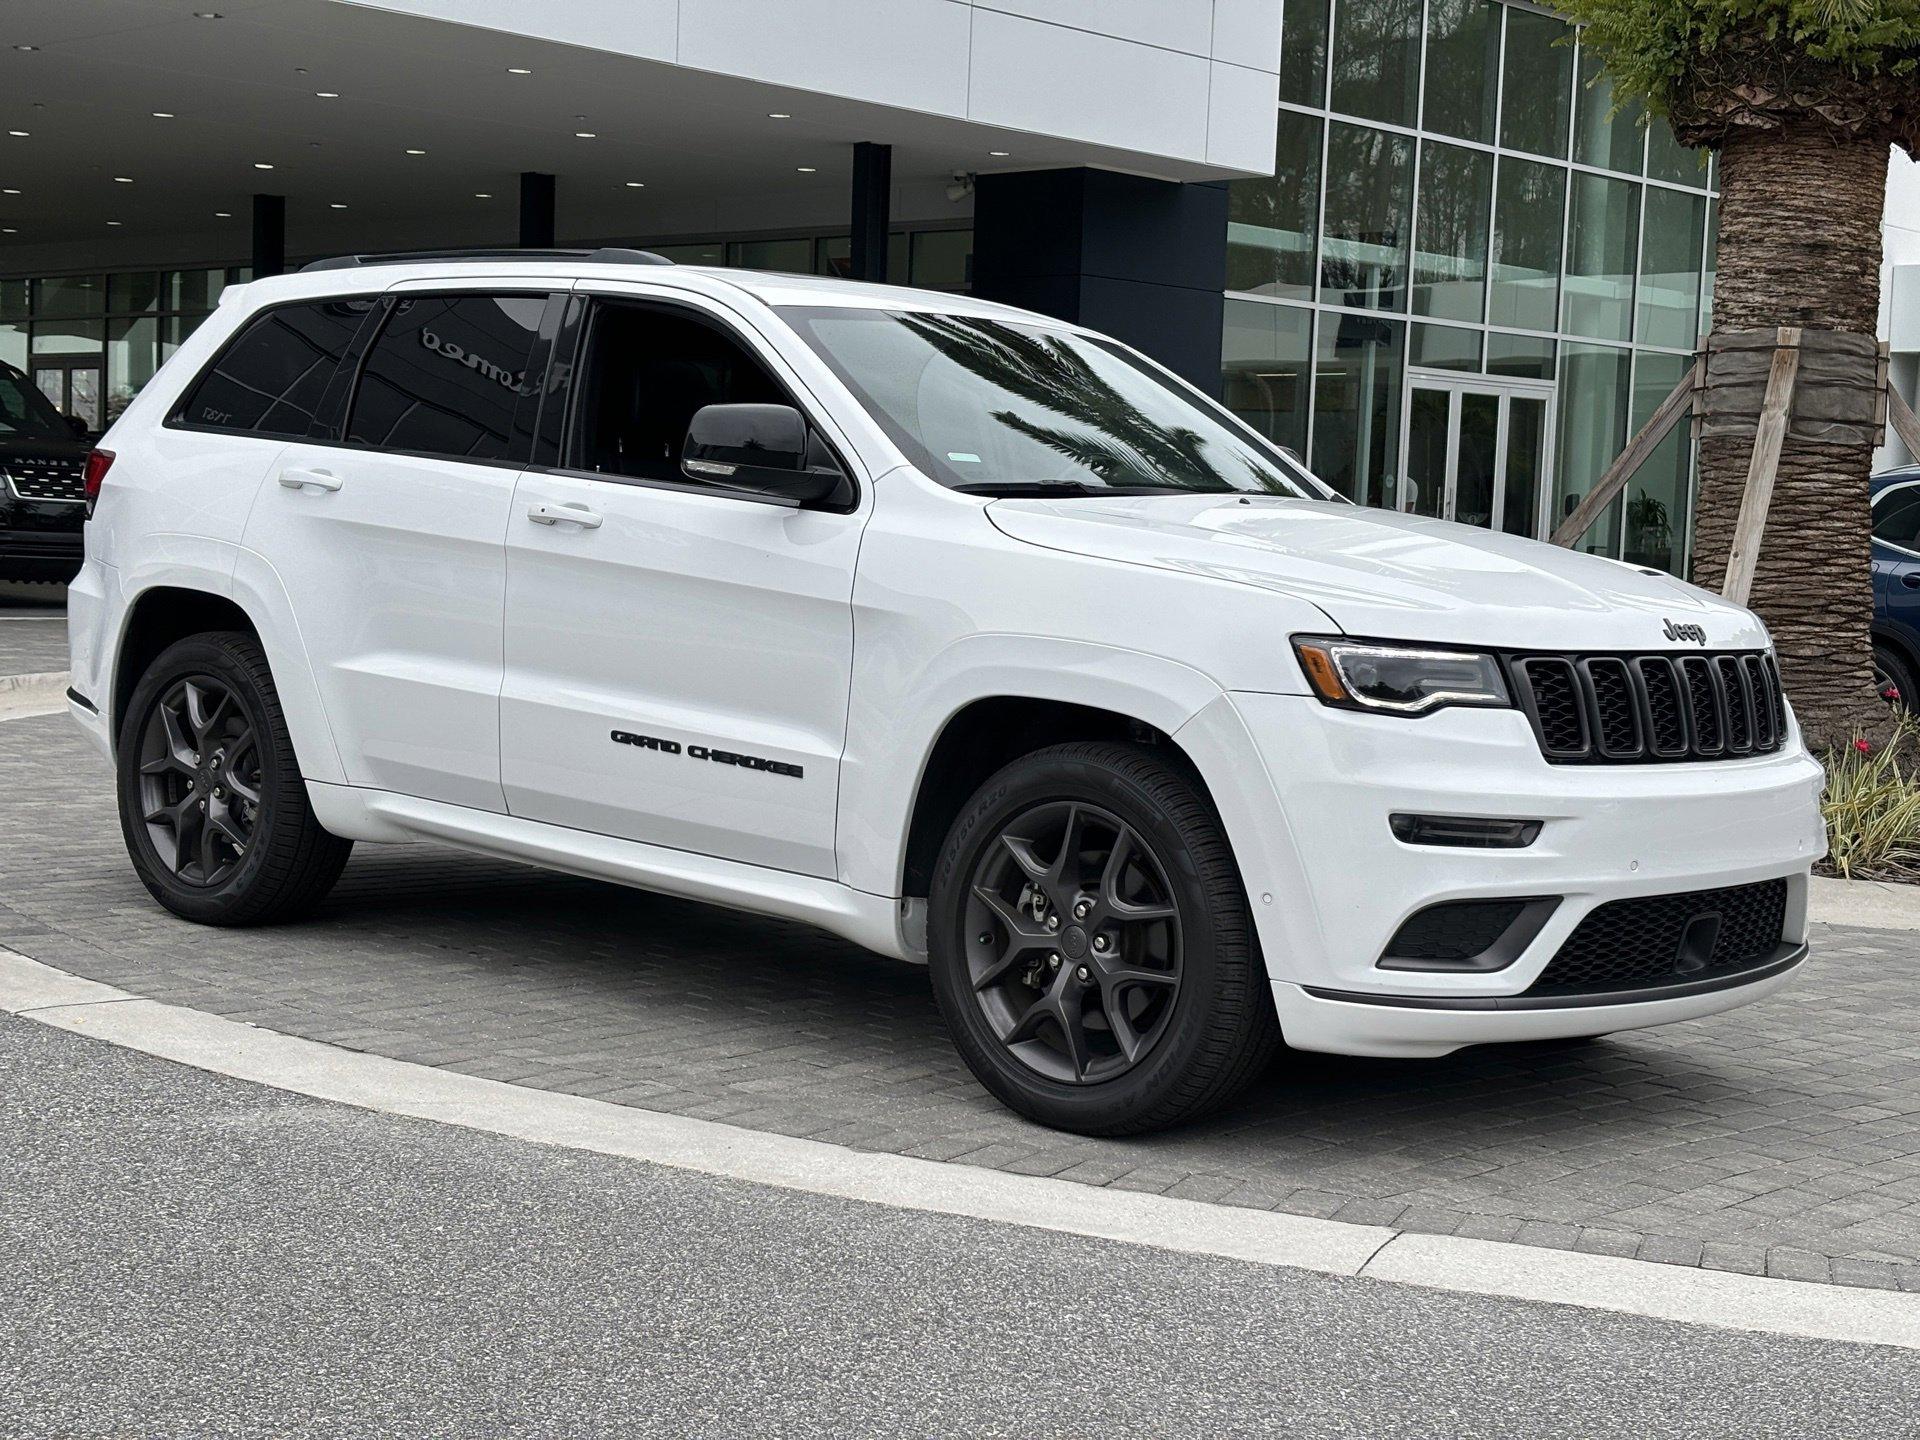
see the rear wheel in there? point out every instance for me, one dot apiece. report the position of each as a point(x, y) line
point(1090, 944)
point(212, 804)
point(1894, 678)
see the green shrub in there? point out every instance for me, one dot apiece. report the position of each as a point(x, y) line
point(1872, 807)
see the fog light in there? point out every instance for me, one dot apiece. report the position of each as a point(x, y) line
point(1464, 830)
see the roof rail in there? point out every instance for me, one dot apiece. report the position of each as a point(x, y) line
point(605, 255)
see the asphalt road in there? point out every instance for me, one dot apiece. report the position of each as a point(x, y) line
point(182, 1254)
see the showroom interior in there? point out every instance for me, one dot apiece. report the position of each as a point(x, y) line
point(1412, 240)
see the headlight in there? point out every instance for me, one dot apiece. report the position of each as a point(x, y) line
point(1399, 679)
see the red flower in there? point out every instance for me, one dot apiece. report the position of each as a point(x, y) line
point(1863, 747)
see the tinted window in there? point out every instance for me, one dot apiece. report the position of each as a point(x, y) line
point(647, 371)
point(272, 378)
point(1896, 517)
point(445, 375)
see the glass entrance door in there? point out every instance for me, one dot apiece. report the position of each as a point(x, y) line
point(73, 384)
point(1477, 452)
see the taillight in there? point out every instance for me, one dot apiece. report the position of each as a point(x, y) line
point(98, 463)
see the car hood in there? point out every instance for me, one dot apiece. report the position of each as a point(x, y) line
point(1386, 575)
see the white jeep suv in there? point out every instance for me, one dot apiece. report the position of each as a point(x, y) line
point(961, 632)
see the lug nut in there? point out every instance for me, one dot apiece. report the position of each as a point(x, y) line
point(1053, 922)
point(1100, 943)
point(1082, 910)
point(1053, 962)
point(1083, 975)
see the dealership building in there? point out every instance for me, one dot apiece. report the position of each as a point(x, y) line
point(1412, 240)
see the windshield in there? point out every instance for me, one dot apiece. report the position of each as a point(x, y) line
point(25, 411)
point(992, 407)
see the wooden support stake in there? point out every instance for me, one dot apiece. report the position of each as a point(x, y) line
point(1767, 442)
point(1677, 404)
point(1905, 423)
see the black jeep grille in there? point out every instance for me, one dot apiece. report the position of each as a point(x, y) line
point(46, 479)
point(1668, 939)
point(1622, 709)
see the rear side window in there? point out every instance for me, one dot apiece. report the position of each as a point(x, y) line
point(1896, 517)
point(272, 378)
point(446, 374)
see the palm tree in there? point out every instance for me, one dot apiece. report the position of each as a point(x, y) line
point(1802, 98)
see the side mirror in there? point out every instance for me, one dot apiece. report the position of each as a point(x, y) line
point(758, 449)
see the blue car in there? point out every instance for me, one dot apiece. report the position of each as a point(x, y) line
point(1896, 584)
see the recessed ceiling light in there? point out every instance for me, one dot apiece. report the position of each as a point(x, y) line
point(208, 15)
point(261, 165)
point(8, 230)
point(416, 152)
point(163, 114)
point(999, 154)
point(113, 222)
point(336, 205)
point(483, 194)
point(123, 179)
point(778, 115)
point(518, 70)
point(326, 94)
point(22, 134)
point(9, 191)
point(808, 169)
point(585, 135)
point(26, 47)
point(636, 184)
point(223, 214)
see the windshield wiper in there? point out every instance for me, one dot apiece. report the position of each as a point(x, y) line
point(1009, 489)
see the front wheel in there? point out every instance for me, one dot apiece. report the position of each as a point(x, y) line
point(212, 804)
point(1090, 944)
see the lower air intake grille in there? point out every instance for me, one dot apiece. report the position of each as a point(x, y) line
point(1668, 939)
point(1453, 930)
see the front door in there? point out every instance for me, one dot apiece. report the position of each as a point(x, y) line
point(1477, 451)
point(677, 657)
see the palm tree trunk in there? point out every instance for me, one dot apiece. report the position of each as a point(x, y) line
point(1800, 245)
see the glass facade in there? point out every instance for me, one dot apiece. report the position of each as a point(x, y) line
point(1468, 251)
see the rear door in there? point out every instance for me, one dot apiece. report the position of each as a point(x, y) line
point(389, 537)
point(677, 657)
point(1896, 558)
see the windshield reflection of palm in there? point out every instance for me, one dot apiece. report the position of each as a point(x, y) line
point(1121, 444)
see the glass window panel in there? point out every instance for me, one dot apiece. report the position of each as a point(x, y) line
point(1537, 79)
point(1655, 518)
point(68, 337)
point(1450, 252)
point(1529, 206)
point(1527, 357)
point(196, 289)
point(1526, 459)
point(1266, 369)
point(70, 295)
point(1668, 159)
point(1670, 268)
point(1271, 222)
point(942, 259)
point(1376, 59)
point(1303, 52)
point(1712, 266)
point(13, 344)
point(1356, 406)
point(792, 256)
point(1446, 347)
point(273, 377)
point(713, 252)
point(13, 299)
point(1593, 404)
point(1602, 229)
point(1463, 68)
point(833, 255)
point(445, 375)
point(133, 354)
point(1603, 136)
point(131, 294)
point(1363, 259)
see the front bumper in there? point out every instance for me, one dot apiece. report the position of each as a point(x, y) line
point(1331, 884)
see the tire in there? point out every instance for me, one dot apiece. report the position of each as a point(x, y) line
point(187, 774)
point(1196, 1020)
point(1891, 667)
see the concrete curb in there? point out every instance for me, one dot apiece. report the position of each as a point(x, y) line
point(1871, 904)
point(68, 1002)
point(22, 696)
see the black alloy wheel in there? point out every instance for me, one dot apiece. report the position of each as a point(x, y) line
point(1075, 942)
point(200, 780)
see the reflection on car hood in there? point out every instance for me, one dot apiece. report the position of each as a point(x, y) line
point(1393, 576)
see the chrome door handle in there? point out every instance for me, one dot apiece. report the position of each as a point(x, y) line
point(309, 480)
point(563, 514)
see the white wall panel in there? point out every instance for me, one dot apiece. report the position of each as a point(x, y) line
point(643, 28)
point(1240, 118)
point(1170, 24)
point(1031, 76)
point(1247, 32)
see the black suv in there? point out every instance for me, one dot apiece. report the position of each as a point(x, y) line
point(43, 461)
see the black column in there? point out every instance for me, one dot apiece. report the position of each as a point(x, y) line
point(1143, 260)
point(269, 235)
point(872, 207)
point(536, 211)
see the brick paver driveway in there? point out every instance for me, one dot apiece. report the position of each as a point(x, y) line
point(1783, 1138)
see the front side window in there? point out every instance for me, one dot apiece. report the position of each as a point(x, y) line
point(985, 405)
point(446, 374)
point(25, 412)
point(1896, 516)
point(646, 371)
point(273, 376)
